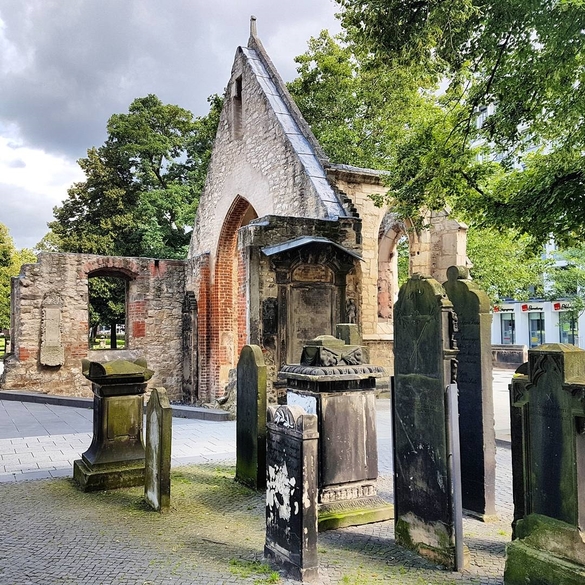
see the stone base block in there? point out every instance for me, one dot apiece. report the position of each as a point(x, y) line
point(354, 513)
point(525, 564)
point(303, 574)
point(487, 518)
point(108, 478)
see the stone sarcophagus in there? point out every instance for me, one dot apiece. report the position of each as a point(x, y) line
point(115, 457)
point(333, 383)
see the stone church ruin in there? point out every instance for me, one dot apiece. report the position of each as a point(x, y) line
point(285, 246)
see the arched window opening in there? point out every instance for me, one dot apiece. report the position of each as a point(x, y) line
point(107, 312)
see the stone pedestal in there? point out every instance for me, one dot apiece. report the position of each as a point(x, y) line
point(115, 457)
point(332, 383)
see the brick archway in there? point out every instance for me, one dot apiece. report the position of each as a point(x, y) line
point(228, 327)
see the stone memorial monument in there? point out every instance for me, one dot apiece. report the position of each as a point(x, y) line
point(291, 491)
point(115, 457)
point(476, 402)
point(547, 398)
point(251, 418)
point(428, 518)
point(159, 433)
point(333, 383)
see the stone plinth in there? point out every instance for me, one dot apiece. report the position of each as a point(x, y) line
point(547, 398)
point(343, 398)
point(115, 457)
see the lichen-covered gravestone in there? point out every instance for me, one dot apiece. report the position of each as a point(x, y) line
point(548, 466)
point(427, 518)
point(291, 491)
point(159, 432)
point(476, 402)
point(251, 418)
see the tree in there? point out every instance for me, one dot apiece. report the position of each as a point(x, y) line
point(11, 260)
point(364, 112)
point(527, 58)
point(355, 106)
point(142, 185)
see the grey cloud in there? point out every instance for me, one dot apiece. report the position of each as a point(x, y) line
point(16, 164)
point(90, 58)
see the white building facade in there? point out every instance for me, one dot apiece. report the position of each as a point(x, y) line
point(535, 322)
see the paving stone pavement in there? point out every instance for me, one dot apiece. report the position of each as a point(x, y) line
point(51, 533)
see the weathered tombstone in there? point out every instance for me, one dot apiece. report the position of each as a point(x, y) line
point(159, 432)
point(52, 349)
point(333, 383)
point(251, 418)
point(291, 491)
point(115, 457)
point(548, 467)
point(428, 518)
point(476, 402)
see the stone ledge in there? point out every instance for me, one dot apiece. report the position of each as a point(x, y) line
point(191, 412)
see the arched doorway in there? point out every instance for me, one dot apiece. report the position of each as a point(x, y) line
point(229, 309)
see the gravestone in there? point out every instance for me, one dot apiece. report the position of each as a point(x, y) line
point(52, 349)
point(428, 518)
point(476, 402)
point(548, 465)
point(251, 418)
point(115, 457)
point(333, 383)
point(291, 491)
point(159, 432)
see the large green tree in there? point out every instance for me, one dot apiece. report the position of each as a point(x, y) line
point(142, 185)
point(11, 260)
point(365, 113)
point(523, 56)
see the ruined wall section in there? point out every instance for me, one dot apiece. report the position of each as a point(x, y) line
point(258, 155)
point(153, 320)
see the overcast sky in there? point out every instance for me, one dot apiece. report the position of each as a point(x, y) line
point(67, 65)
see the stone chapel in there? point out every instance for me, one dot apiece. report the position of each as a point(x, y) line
point(285, 246)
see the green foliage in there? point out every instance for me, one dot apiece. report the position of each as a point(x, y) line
point(247, 569)
point(355, 105)
point(142, 185)
point(528, 58)
point(11, 260)
point(505, 264)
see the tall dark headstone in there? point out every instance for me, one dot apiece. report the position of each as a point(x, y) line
point(476, 402)
point(251, 418)
point(291, 491)
point(115, 457)
point(333, 383)
point(159, 433)
point(427, 517)
point(548, 467)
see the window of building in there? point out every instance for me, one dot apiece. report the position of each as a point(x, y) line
point(568, 328)
point(508, 328)
point(107, 312)
point(535, 328)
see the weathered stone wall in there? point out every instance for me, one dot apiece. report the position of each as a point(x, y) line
point(153, 320)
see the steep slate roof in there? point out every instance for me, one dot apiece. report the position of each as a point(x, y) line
point(293, 124)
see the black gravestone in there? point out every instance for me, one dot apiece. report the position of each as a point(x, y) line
point(251, 418)
point(424, 366)
point(291, 491)
point(548, 467)
point(476, 402)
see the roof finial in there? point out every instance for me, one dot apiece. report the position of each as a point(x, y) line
point(253, 30)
